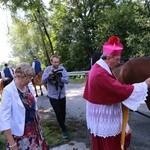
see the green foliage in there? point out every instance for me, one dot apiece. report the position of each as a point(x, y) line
point(52, 137)
point(2, 142)
point(76, 29)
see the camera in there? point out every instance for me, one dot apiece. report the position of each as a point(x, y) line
point(55, 78)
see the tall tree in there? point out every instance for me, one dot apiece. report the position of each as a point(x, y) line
point(33, 12)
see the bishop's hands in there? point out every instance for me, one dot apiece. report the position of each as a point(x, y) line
point(147, 81)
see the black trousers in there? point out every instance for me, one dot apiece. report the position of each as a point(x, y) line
point(59, 106)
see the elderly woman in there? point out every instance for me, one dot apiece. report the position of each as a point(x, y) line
point(19, 116)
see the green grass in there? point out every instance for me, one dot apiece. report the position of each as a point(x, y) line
point(2, 142)
point(52, 133)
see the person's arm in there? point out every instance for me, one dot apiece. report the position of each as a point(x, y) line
point(5, 117)
point(65, 76)
point(147, 81)
point(39, 117)
point(45, 75)
point(33, 64)
point(10, 139)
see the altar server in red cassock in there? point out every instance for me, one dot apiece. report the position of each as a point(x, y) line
point(105, 95)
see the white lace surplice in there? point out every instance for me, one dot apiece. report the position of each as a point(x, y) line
point(104, 120)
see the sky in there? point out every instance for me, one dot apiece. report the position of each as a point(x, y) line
point(5, 48)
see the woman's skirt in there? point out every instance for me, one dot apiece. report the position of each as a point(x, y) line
point(32, 139)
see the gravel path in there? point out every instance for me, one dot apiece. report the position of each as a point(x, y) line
point(75, 103)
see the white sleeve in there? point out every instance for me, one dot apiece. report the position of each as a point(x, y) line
point(137, 97)
point(5, 112)
point(33, 64)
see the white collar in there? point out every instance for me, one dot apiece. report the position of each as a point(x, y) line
point(103, 64)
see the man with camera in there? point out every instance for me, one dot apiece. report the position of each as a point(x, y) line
point(55, 76)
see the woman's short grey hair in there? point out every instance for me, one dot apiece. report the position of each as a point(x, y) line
point(24, 69)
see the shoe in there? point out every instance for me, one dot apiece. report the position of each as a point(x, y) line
point(65, 135)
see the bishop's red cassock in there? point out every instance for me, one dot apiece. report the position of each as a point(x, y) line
point(102, 88)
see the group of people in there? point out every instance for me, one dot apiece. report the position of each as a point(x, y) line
point(7, 74)
point(104, 95)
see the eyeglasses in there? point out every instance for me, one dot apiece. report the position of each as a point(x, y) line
point(116, 59)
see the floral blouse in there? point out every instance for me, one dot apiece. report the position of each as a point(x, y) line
point(28, 101)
